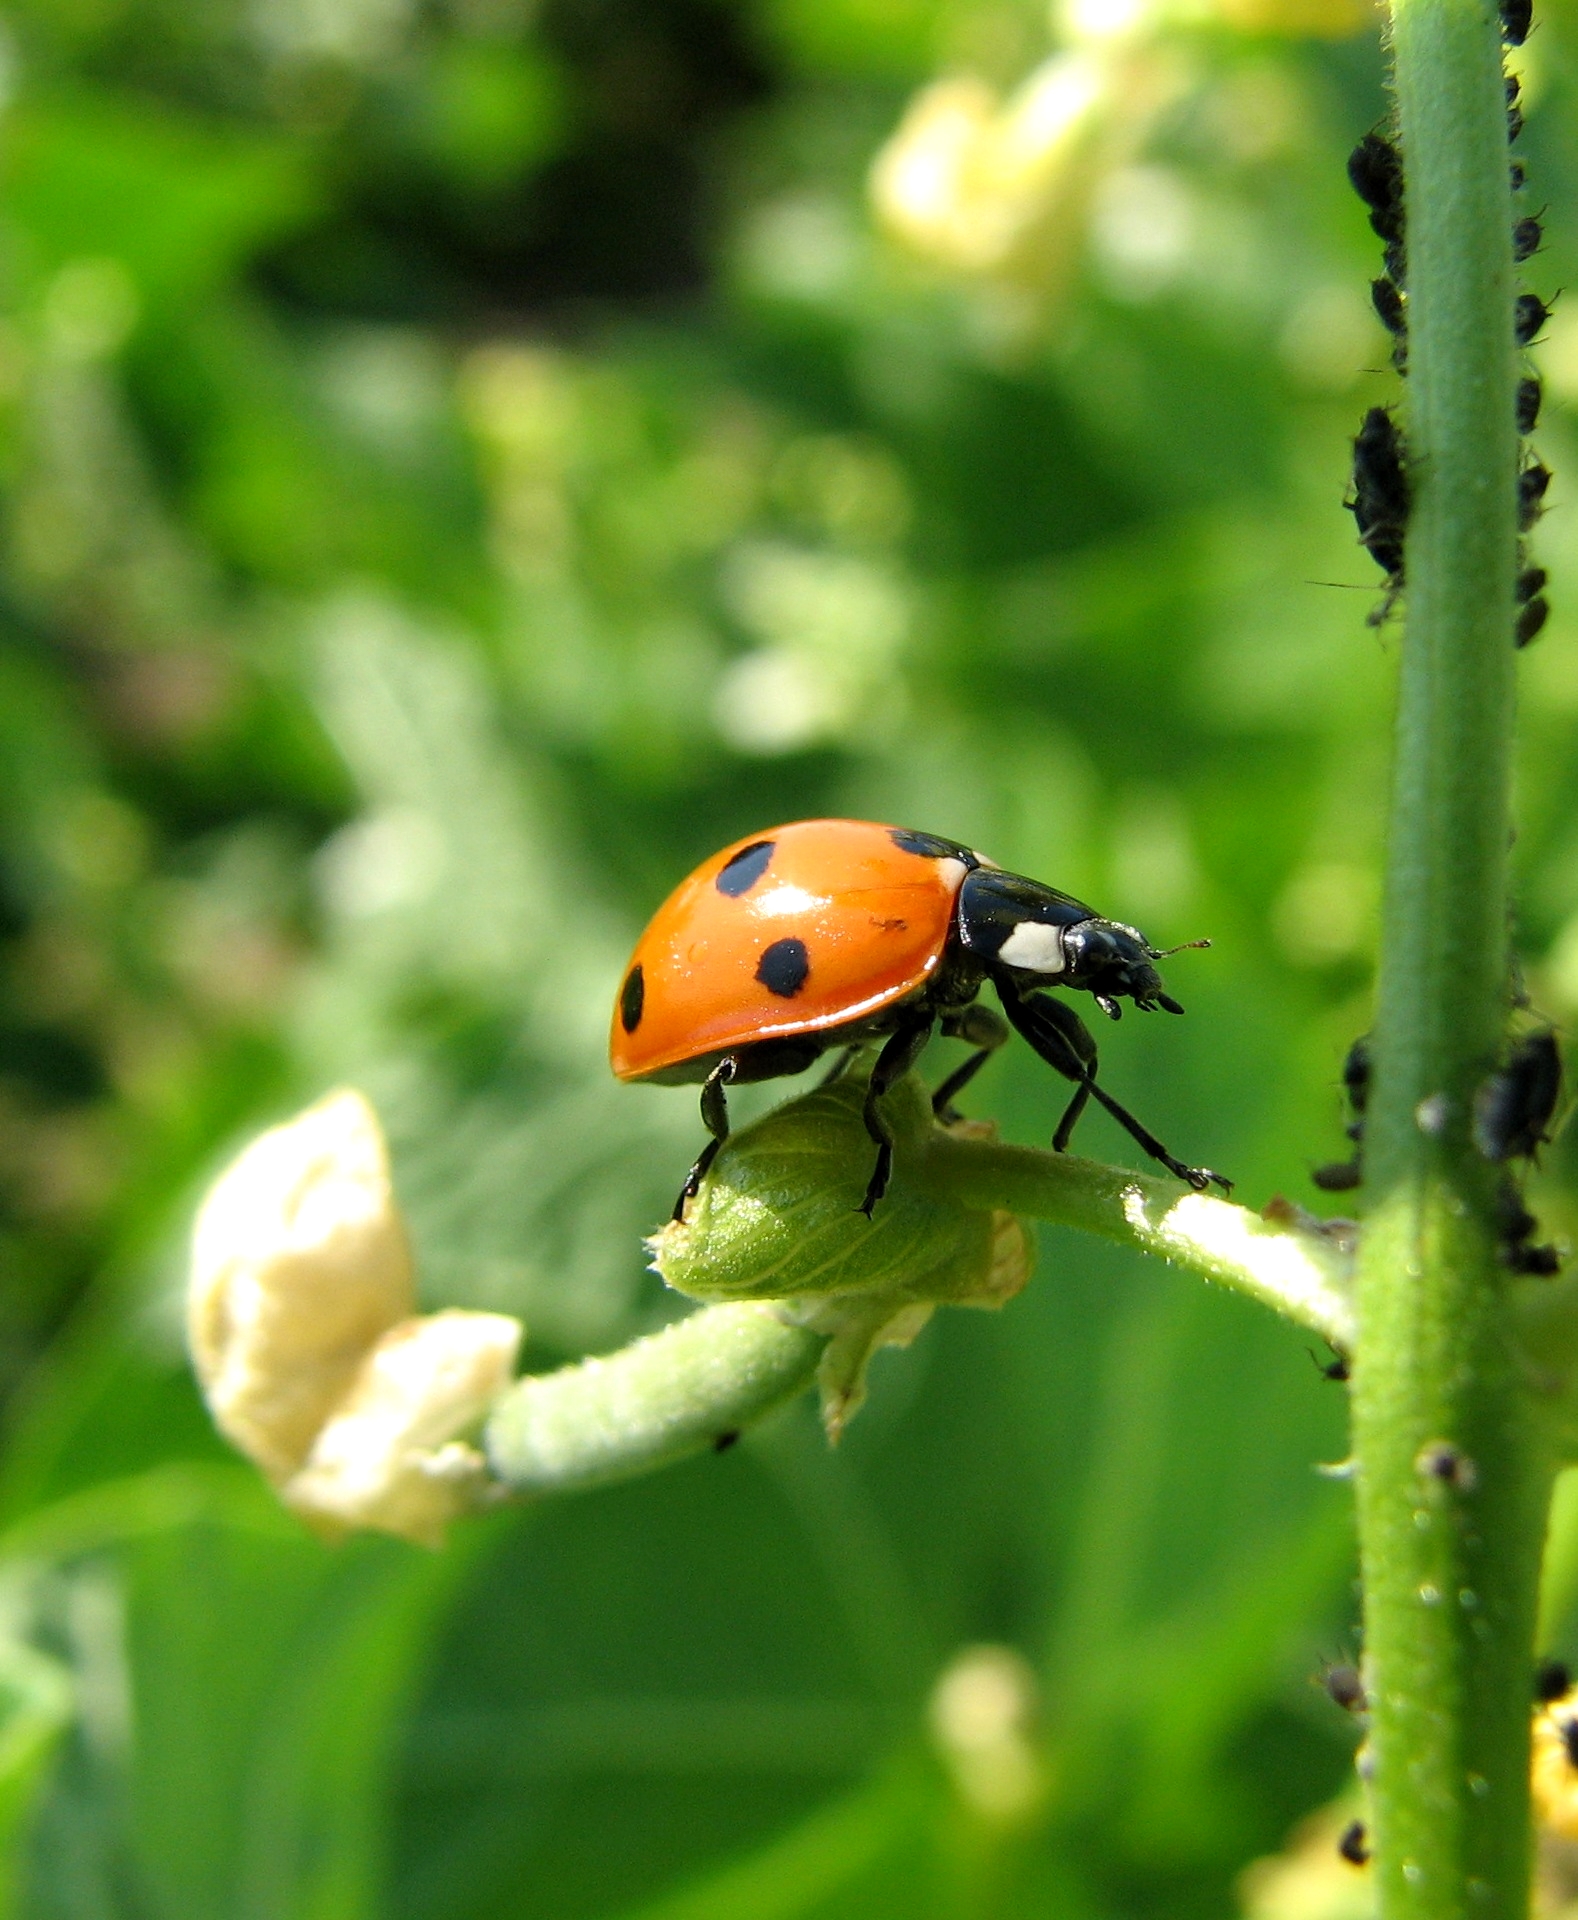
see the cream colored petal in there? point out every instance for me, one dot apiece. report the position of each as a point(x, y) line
point(299, 1263)
point(391, 1456)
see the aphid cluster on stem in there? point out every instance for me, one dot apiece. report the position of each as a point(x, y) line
point(1514, 1110)
point(1379, 499)
point(1342, 1176)
point(1529, 315)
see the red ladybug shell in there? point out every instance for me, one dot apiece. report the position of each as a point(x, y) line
point(790, 931)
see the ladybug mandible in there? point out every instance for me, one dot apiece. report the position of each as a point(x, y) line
point(834, 933)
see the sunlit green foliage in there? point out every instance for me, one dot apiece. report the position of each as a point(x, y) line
point(464, 464)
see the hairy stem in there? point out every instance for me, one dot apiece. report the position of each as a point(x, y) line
point(694, 1385)
point(704, 1379)
point(1453, 1474)
point(1297, 1271)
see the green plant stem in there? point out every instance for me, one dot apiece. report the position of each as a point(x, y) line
point(655, 1401)
point(1450, 1558)
point(1297, 1271)
point(682, 1390)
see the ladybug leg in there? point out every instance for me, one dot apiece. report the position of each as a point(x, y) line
point(1062, 1040)
point(900, 1051)
point(715, 1116)
point(986, 1032)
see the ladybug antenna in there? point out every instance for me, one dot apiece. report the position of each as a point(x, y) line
point(1164, 953)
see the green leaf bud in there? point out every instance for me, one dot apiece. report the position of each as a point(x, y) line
point(778, 1218)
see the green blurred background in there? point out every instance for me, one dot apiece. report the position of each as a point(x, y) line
point(465, 461)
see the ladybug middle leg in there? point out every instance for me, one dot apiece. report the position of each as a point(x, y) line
point(715, 1117)
point(986, 1033)
point(900, 1051)
point(1063, 1041)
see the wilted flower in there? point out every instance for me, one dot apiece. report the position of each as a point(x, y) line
point(300, 1325)
point(387, 1457)
point(299, 1263)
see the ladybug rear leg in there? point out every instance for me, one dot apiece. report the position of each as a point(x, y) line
point(715, 1116)
point(986, 1032)
point(900, 1051)
point(1063, 1041)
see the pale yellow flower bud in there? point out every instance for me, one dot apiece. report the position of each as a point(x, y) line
point(299, 1263)
point(388, 1458)
point(301, 1330)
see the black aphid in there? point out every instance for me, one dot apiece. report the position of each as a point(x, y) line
point(1356, 1082)
point(1527, 234)
point(1530, 393)
point(1514, 1107)
point(1342, 1176)
point(1515, 1229)
point(1389, 306)
point(1338, 1176)
point(1530, 621)
point(1529, 315)
point(1380, 491)
point(1375, 168)
point(1537, 1263)
point(1532, 485)
point(1345, 1687)
point(1517, 16)
point(1353, 1846)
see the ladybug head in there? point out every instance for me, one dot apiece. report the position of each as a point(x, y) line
point(1038, 936)
point(1113, 963)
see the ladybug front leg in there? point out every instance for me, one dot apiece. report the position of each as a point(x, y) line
point(900, 1051)
point(715, 1116)
point(1062, 1040)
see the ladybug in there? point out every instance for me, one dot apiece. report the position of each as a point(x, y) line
point(834, 933)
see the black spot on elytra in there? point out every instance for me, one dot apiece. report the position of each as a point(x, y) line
point(784, 968)
point(745, 869)
point(632, 998)
point(930, 846)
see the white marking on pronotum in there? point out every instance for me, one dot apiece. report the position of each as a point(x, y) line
point(1034, 948)
point(953, 872)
